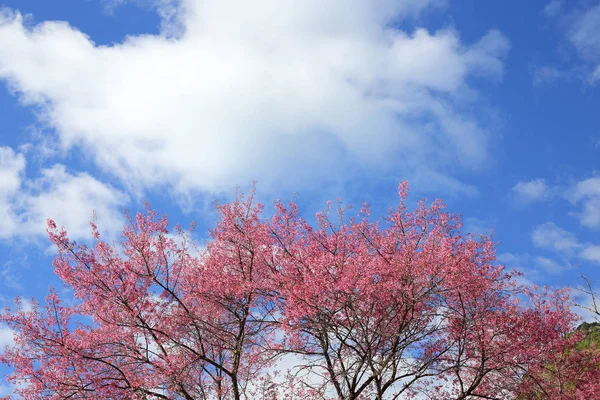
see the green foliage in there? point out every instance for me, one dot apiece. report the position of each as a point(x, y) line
point(592, 335)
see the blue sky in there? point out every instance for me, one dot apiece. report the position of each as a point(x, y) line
point(490, 106)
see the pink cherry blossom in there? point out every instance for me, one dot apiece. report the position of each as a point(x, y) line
point(397, 308)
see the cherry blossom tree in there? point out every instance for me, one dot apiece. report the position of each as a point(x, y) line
point(572, 370)
point(410, 307)
point(159, 323)
point(402, 307)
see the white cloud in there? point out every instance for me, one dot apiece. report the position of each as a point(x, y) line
point(595, 75)
point(478, 226)
point(587, 194)
point(6, 389)
point(6, 338)
point(584, 33)
point(525, 192)
point(514, 260)
point(12, 166)
point(545, 74)
point(288, 92)
point(550, 237)
point(69, 199)
point(591, 253)
point(535, 269)
point(581, 27)
point(520, 262)
point(553, 8)
point(551, 266)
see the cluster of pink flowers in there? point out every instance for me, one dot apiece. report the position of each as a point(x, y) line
point(403, 307)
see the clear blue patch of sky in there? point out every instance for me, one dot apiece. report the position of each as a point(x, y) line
point(104, 25)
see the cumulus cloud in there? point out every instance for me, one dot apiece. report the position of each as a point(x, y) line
point(70, 199)
point(553, 8)
point(546, 74)
point(581, 27)
point(550, 266)
point(534, 270)
point(563, 243)
point(6, 338)
point(584, 33)
point(287, 92)
point(591, 253)
point(478, 226)
point(514, 260)
point(550, 237)
point(586, 194)
point(520, 262)
point(11, 168)
point(525, 192)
